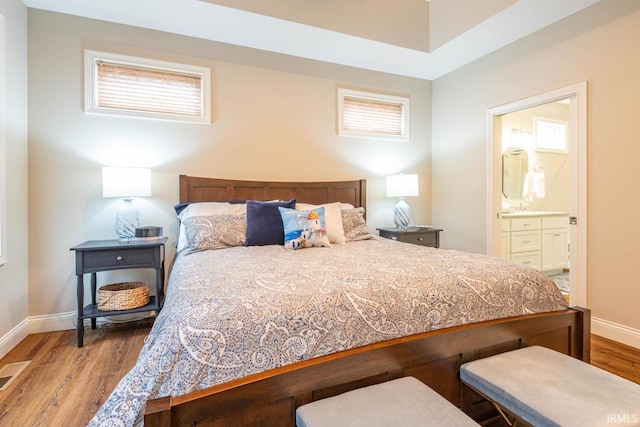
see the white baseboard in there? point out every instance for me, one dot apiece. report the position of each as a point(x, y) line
point(13, 337)
point(52, 322)
point(615, 332)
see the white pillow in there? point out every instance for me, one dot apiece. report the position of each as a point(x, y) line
point(206, 209)
point(332, 217)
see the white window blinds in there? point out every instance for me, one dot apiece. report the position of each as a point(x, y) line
point(147, 88)
point(143, 89)
point(368, 114)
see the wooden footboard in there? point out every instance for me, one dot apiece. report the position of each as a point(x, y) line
point(271, 398)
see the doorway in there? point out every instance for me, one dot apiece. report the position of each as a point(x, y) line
point(576, 97)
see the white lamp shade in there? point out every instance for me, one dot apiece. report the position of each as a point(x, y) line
point(402, 185)
point(126, 182)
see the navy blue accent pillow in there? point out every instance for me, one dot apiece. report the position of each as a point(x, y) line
point(180, 207)
point(264, 223)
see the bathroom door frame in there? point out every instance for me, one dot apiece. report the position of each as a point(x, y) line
point(577, 95)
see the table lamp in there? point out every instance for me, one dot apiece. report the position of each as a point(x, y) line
point(126, 183)
point(402, 186)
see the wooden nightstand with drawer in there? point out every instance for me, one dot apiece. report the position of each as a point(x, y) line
point(423, 236)
point(103, 255)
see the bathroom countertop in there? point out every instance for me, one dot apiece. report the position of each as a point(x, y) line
point(531, 213)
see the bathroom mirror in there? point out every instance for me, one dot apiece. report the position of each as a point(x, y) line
point(515, 165)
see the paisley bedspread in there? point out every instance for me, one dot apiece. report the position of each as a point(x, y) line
point(233, 312)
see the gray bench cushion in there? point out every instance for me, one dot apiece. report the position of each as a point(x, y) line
point(547, 388)
point(403, 402)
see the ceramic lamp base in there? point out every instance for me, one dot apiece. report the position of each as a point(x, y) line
point(126, 221)
point(402, 214)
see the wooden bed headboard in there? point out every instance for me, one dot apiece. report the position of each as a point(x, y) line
point(194, 189)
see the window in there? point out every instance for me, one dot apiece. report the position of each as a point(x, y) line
point(139, 87)
point(551, 135)
point(372, 115)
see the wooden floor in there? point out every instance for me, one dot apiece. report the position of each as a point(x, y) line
point(615, 357)
point(65, 385)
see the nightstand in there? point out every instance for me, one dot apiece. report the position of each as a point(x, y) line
point(103, 255)
point(424, 236)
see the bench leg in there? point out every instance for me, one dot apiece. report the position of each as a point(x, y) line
point(509, 418)
point(504, 416)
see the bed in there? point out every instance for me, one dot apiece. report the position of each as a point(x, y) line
point(191, 373)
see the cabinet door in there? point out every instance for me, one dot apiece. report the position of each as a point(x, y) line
point(555, 249)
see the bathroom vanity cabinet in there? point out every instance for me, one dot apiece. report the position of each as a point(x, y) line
point(537, 239)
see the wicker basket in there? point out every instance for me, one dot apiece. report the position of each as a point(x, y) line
point(123, 296)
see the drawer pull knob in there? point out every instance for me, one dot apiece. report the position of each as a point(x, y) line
point(526, 241)
point(119, 258)
point(527, 224)
point(420, 239)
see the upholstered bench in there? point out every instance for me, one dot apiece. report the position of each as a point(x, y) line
point(403, 402)
point(545, 388)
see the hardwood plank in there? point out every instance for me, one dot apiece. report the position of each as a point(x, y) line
point(79, 412)
point(65, 385)
point(107, 353)
point(612, 356)
point(35, 347)
point(25, 405)
point(98, 390)
point(137, 342)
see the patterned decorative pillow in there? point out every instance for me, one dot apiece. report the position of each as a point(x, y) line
point(187, 210)
point(332, 217)
point(304, 229)
point(215, 231)
point(354, 224)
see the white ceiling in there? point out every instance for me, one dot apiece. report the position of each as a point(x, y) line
point(209, 21)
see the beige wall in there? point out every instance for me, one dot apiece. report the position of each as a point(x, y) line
point(598, 46)
point(14, 273)
point(274, 119)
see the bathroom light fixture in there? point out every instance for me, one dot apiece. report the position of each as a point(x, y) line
point(126, 183)
point(519, 131)
point(402, 186)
